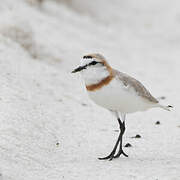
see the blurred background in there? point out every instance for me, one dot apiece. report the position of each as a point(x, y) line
point(49, 129)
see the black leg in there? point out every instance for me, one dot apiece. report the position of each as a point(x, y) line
point(122, 128)
point(111, 155)
point(119, 140)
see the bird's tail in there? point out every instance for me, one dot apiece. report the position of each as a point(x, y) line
point(167, 108)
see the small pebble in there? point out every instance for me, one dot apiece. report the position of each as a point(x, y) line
point(37, 84)
point(162, 97)
point(157, 122)
point(84, 104)
point(116, 130)
point(137, 136)
point(128, 145)
point(57, 144)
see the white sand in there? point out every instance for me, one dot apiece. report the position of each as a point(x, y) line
point(43, 104)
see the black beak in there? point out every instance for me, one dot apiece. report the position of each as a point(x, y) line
point(78, 69)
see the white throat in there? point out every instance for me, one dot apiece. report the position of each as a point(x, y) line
point(94, 75)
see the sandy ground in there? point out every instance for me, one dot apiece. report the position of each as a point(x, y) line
point(49, 129)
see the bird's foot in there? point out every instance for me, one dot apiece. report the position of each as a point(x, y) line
point(119, 154)
point(110, 156)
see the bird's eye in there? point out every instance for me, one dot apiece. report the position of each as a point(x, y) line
point(93, 63)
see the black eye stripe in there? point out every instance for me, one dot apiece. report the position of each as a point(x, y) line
point(93, 63)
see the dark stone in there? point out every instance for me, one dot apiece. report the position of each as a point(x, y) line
point(137, 136)
point(128, 145)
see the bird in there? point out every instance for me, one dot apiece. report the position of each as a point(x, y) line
point(115, 91)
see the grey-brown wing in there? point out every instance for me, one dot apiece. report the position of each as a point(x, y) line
point(138, 87)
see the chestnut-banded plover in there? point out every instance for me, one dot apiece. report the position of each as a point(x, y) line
point(116, 91)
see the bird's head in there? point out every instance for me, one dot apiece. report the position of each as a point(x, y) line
point(93, 68)
point(92, 61)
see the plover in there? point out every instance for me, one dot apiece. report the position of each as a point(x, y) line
point(116, 91)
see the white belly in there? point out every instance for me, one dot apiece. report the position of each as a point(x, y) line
point(117, 97)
